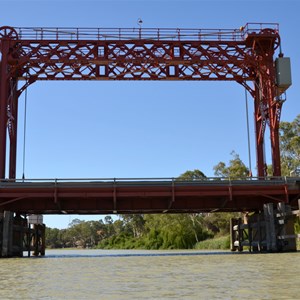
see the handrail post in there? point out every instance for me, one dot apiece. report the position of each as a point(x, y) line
point(173, 190)
point(55, 190)
point(114, 196)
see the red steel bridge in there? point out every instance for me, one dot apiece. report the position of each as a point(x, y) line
point(245, 55)
point(152, 195)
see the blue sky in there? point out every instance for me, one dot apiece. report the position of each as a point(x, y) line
point(142, 129)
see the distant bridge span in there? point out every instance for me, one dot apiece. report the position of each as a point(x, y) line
point(162, 195)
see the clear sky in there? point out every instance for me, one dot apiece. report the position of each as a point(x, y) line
point(142, 129)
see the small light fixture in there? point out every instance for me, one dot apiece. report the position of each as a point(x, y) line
point(140, 22)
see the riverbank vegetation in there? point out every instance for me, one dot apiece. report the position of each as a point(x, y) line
point(158, 231)
point(175, 231)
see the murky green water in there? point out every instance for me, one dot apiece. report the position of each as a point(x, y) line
point(90, 274)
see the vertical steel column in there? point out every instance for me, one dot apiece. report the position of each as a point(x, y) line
point(13, 103)
point(274, 110)
point(267, 108)
point(3, 103)
point(260, 124)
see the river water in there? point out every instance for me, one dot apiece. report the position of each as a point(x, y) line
point(134, 274)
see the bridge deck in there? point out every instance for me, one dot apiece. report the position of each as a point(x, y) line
point(162, 195)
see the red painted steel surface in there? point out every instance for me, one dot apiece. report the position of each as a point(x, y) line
point(243, 55)
point(145, 196)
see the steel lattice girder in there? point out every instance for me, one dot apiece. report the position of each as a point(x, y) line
point(133, 60)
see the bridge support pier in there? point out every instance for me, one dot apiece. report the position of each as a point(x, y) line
point(19, 235)
point(271, 230)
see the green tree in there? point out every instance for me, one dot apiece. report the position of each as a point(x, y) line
point(52, 238)
point(235, 170)
point(108, 220)
point(218, 222)
point(173, 231)
point(289, 134)
point(75, 222)
point(83, 234)
point(134, 223)
point(192, 175)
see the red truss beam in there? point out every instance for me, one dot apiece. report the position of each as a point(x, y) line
point(244, 55)
point(133, 60)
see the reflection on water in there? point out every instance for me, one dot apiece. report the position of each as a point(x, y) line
point(127, 274)
point(127, 253)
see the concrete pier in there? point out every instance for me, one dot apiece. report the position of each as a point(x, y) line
point(18, 235)
point(7, 234)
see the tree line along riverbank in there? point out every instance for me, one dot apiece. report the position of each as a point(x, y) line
point(179, 231)
point(173, 231)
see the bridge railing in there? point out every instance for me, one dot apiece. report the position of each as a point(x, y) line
point(260, 27)
point(159, 34)
point(48, 33)
point(153, 181)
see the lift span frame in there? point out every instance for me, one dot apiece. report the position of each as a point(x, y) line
point(243, 55)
